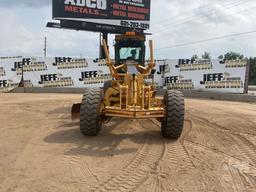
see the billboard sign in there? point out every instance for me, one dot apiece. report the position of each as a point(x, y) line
point(124, 13)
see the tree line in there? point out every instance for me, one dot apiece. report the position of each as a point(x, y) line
point(234, 56)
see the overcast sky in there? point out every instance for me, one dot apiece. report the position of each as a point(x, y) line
point(173, 22)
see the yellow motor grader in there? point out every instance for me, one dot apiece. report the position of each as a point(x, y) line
point(128, 95)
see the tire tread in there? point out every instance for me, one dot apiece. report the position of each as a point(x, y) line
point(90, 124)
point(172, 125)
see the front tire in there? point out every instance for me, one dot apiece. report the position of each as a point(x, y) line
point(90, 122)
point(172, 125)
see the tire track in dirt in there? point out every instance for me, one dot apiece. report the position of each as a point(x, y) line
point(240, 173)
point(158, 173)
point(237, 183)
point(245, 146)
point(134, 174)
point(77, 166)
point(177, 150)
point(140, 167)
point(222, 128)
point(174, 158)
point(178, 154)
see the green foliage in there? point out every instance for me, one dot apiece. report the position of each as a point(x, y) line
point(206, 55)
point(221, 57)
point(194, 57)
point(233, 56)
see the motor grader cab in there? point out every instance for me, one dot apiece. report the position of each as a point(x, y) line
point(128, 95)
point(130, 48)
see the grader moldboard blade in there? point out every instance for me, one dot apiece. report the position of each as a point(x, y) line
point(75, 111)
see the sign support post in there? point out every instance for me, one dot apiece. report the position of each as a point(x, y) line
point(103, 35)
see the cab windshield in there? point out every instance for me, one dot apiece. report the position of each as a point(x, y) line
point(129, 49)
point(130, 53)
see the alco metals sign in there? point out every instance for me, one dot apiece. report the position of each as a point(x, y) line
point(124, 13)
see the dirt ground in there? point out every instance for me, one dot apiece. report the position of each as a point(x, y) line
point(42, 150)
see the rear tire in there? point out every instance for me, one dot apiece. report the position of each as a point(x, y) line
point(172, 125)
point(90, 122)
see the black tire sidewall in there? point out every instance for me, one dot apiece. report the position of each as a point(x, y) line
point(90, 123)
point(172, 124)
